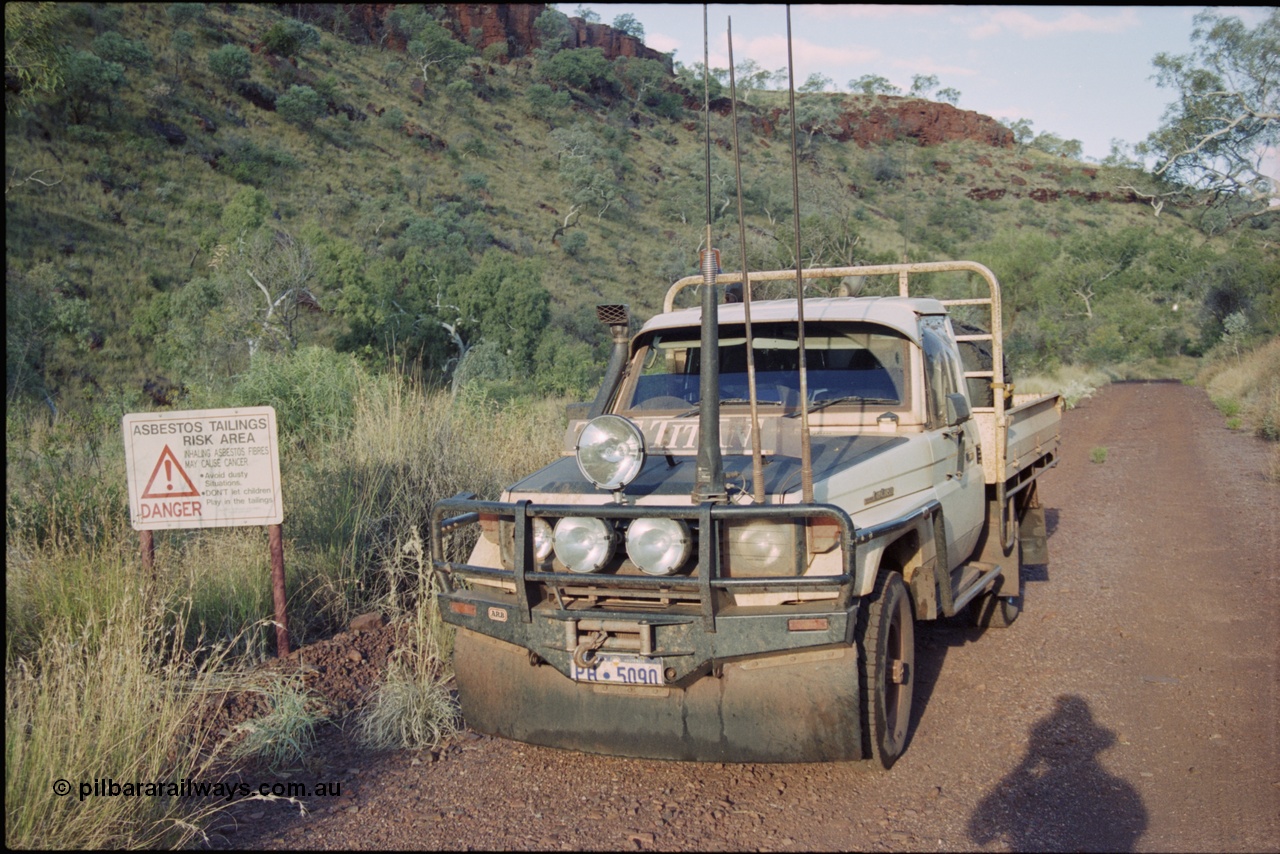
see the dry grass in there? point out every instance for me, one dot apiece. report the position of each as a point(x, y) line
point(104, 665)
point(111, 696)
point(1248, 387)
point(1073, 383)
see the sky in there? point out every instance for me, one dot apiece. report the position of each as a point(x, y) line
point(1080, 72)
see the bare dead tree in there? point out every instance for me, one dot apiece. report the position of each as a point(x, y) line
point(13, 183)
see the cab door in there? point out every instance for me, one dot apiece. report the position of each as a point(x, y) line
point(953, 442)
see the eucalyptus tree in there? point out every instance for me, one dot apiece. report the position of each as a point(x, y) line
point(1217, 136)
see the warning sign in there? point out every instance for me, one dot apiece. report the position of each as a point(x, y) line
point(203, 469)
point(166, 467)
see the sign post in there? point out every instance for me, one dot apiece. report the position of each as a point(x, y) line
point(210, 468)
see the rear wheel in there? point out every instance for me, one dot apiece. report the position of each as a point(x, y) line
point(999, 612)
point(888, 650)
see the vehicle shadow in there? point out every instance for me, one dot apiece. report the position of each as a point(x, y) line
point(1060, 798)
point(933, 641)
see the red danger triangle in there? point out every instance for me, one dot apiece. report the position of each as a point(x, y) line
point(168, 479)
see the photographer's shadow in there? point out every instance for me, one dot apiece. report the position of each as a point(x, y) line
point(1060, 798)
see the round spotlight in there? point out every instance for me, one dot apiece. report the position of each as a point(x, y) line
point(583, 544)
point(658, 546)
point(610, 451)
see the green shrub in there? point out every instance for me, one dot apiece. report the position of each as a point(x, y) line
point(230, 63)
point(113, 47)
point(1227, 406)
point(289, 37)
point(392, 119)
point(301, 105)
point(287, 732)
point(313, 390)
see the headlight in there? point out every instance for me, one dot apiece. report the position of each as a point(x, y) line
point(762, 547)
point(583, 544)
point(543, 539)
point(610, 451)
point(658, 546)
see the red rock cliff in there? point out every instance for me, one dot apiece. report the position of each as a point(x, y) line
point(927, 122)
point(509, 23)
point(513, 24)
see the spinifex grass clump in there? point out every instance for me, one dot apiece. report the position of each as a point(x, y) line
point(413, 708)
point(287, 732)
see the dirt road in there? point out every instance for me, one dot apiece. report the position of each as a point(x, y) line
point(1133, 706)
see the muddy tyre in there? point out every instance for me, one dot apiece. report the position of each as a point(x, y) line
point(887, 650)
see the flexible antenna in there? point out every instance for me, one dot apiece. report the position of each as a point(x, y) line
point(757, 460)
point(806, 454)
point(709, 477)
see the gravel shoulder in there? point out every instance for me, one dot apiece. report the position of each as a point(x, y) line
point(1133, 705)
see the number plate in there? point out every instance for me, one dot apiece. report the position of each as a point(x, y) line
point(620, 670)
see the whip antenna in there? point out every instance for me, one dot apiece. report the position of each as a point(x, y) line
point(709, 482)
point(806, 455)
point(757, 461)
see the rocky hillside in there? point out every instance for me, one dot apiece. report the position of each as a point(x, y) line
point(867, 121)
point(497, 23)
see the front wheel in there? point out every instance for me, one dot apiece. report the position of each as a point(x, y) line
point(887, 644)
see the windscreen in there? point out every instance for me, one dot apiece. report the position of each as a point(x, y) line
point(848, 364)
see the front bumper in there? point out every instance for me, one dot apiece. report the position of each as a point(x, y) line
point(761, 684)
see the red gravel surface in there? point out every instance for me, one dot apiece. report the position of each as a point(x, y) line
point(1133, 705)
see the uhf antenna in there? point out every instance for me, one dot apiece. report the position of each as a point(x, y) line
point(757, 459)
point(709, 483)
point(806, 456)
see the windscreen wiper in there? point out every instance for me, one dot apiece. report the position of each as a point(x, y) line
point(728, 400)
point(848, 398)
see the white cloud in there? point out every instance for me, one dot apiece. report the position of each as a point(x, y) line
point(661, 42)
point(1028, 25)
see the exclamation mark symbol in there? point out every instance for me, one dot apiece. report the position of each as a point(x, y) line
point(168, 473)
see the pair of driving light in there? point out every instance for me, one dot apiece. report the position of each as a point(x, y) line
point(585, 544)
point(611, 455)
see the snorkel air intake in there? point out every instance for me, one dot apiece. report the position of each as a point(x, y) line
point(618, 319)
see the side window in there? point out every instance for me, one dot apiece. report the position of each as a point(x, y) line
point(940, 375)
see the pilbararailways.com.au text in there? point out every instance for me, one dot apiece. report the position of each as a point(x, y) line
point(188, 788)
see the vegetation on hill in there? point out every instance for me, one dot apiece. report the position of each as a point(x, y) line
point(204, 183)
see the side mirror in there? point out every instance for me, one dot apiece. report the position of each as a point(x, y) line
point(958, 410)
